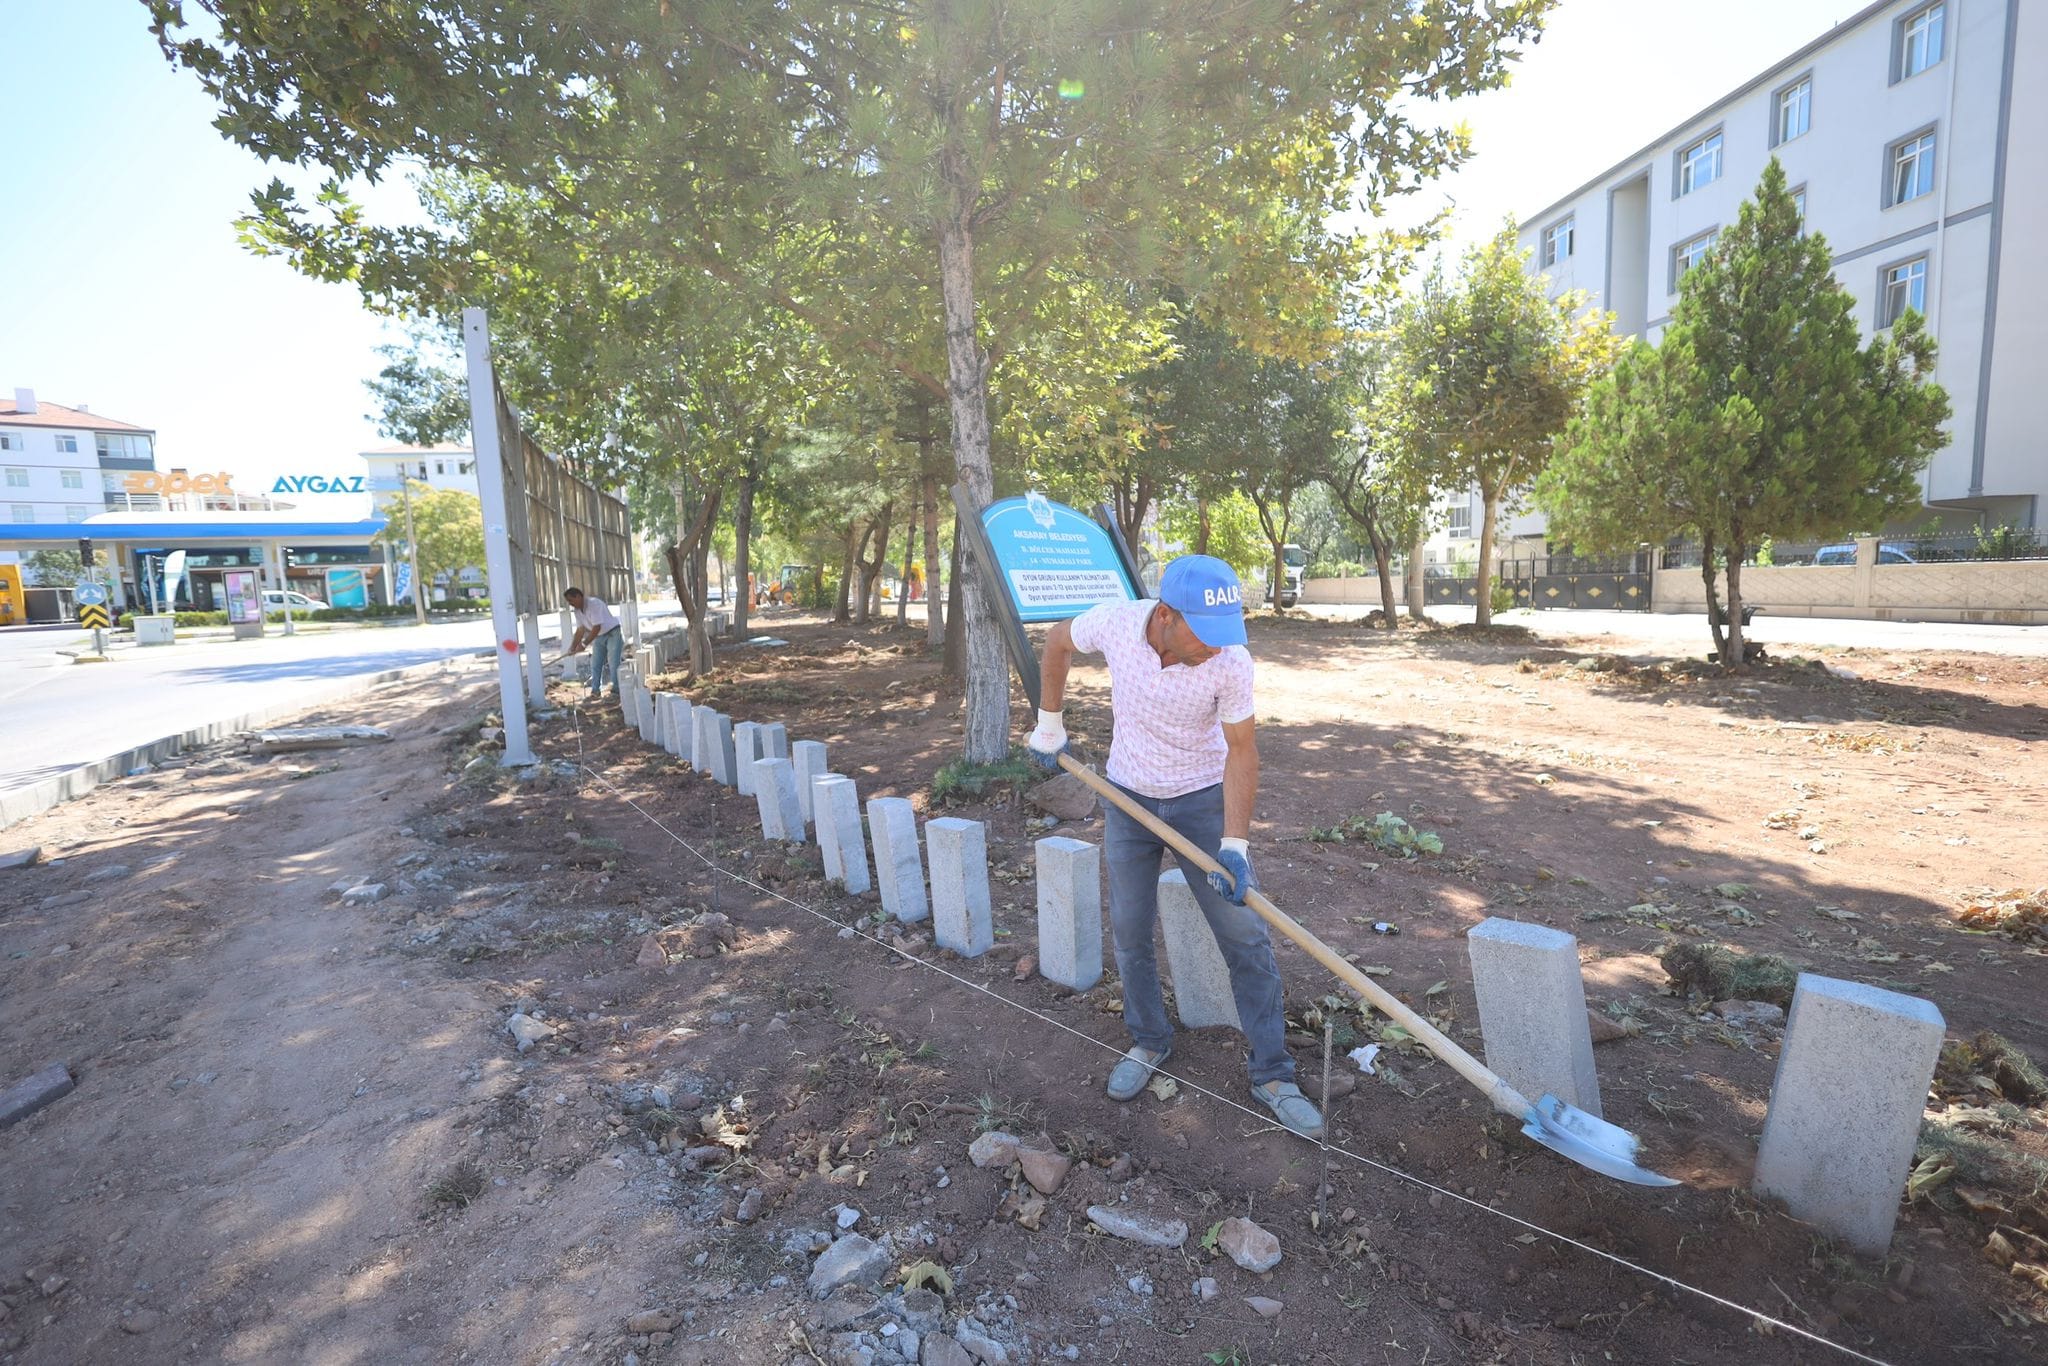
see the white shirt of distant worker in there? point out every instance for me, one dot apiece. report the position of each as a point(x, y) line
point(598, 627)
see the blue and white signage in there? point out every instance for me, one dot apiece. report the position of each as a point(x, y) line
point(1056, 562)
point(88, 594)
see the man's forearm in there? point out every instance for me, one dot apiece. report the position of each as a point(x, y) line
point(1240, 791)
point(1052, 669)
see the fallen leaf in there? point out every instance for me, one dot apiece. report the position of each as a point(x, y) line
point(919, 1274)
point(1929, 1176)
point(1438, 989)
point(1162, 1086)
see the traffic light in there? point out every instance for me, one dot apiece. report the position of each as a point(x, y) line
point(85, 551)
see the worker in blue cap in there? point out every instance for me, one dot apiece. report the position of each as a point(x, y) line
point(1184, 749)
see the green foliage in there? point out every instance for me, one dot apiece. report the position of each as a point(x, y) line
point(1386, 832)
point(961, 779)
point(60, 567)
point(1487, 369)
point(447, 528)
point(1761, 414)
point(1502, 597)
point(2001, 542)
point(422, 393)
point(1234, 535)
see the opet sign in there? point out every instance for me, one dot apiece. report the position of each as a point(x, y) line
point(177, 481)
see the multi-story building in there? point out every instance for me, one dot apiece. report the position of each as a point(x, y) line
point(60, 464)
point(444, 465)
point(1912, 135)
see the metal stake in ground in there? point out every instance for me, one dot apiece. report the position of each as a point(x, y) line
point(1323, 1186)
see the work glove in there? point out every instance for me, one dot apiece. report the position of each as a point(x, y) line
point(1049, 741)
point(1235, 856)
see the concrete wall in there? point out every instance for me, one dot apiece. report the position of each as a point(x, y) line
point(2011, 592)
point(1363, 592)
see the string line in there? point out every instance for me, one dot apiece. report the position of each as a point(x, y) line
point(1199, 1089)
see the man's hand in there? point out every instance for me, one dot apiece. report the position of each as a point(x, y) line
point(1049, 741)
point(1235, 856)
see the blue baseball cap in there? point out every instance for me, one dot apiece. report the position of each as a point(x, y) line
point(1205, 591)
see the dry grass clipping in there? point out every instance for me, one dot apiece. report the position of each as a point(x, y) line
point(2017, 913)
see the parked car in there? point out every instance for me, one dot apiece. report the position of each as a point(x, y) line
point(1846, 554)
point(277, 599)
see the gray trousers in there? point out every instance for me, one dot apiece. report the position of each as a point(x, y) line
point(1133, 854)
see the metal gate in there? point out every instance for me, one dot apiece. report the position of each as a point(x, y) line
point(1619, 584)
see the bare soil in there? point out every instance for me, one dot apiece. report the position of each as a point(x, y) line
point(303, 1133)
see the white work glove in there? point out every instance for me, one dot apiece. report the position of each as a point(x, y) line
point(1049, 741)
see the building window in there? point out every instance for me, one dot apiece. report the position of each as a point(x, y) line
point(74, 514)
point(11, 441)
point(17, 478)
point(1690, 253)
point(72, 479)
point(1905, 286)
point(1558, 240)
point(1700, 164)
point(1461, 518)
point(1799, 207)
point(122, 445)
point(440, 467)
point(67, 445)
point(1912, 167)
point(1794, 111)
point(24, 513)
point(466, 467)
point(1918, 41)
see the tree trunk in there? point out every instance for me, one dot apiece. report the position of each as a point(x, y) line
point(1713, 596)
point(1133, 499)
point(1417, 582)
point(1731, 649)
point(871, 569)
point(934, 611)
point(1485, 586)
point(903, 576)
point(842, 607)
point(1383, 561)
point(988, 666)
point(1201, 526)
point(686, 565)
point(1276, 537)
point(742, 537)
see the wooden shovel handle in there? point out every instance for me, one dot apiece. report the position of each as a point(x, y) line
point(1503, 1096)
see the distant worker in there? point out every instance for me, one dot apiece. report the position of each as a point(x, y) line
point(1180, 687)
point(598, 627)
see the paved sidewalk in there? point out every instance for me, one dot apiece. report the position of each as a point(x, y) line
point(1686, 632)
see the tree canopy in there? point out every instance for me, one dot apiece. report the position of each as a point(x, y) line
point(1762, 413)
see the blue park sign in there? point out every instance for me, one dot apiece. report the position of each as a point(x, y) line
point(1055, 562)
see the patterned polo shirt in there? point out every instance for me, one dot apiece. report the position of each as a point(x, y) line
point(1169, 721)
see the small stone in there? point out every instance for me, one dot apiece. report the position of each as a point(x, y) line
point(1065, 797)
point(112, 872)
point(994, 1148)
point(1206, 1289)
point(652, 954)
point(852, 1260)
point(528, 1031)
point(1044, 1170)
point(141, 1321)
point(1149, 1229)
point(750, 1206)
point(366, 894)
point(940, 1350)
point(1265, 1308)
point(719, 1017)
point(63, 899)
point(21, 858)
point(33, 1092)
point(1139, 1285)
point(1750, 1014)
point(1250, 1246)
point(980, 1345)
point(923, 1309)
point(1026, 965)
point(650, 1321)
point(1604, 1028)
point(846, 1217)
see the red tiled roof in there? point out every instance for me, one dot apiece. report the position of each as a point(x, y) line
point(57, 415)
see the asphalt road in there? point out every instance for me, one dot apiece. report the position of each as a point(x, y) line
point(58, 714)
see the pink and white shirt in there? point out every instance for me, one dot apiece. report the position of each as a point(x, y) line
point(1169, 721)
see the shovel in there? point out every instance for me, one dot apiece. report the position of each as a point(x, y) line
point(1586, 1139)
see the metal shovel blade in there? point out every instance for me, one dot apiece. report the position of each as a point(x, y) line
point(1589, 1141)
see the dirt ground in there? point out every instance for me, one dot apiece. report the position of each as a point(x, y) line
point(303, 1133)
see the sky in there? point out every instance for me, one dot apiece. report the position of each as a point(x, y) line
point(125, 287)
